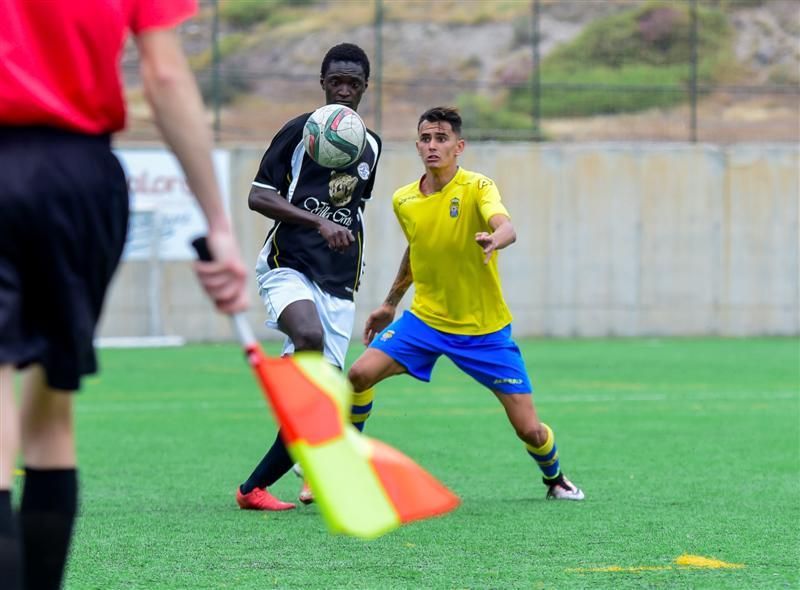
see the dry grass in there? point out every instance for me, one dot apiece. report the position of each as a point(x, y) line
point(257, 116)
point(722, 119)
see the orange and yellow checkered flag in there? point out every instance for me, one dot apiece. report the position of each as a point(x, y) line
point(362, 486)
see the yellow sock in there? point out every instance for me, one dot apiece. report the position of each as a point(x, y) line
point(361, 408)
point(546, 456)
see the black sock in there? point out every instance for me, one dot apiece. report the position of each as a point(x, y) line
point(271, 468)
point(10, 550)
point(47, 513)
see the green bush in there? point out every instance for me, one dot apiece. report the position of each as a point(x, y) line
point(231, 84)
point(483, 119)
point(601, 90)
point(228, 44)
point(657, 33)
point(732, 4)
point(628, 62)
point(245, 13)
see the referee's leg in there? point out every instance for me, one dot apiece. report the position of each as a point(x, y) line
point(10, 549)
point(50, 495)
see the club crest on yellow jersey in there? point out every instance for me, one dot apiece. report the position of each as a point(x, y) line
point(455, 203)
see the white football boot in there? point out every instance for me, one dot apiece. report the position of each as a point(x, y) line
point(561, 488)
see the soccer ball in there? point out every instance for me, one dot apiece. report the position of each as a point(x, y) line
point(334, 136)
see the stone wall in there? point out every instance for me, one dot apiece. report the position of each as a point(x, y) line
point(613, 240)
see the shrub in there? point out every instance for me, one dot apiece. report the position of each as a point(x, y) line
point(632, 61)
point(232, 83)
point(657, 33)
point(245, 13)
point(486, 120)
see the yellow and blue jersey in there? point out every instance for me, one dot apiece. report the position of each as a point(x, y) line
point(455, 292)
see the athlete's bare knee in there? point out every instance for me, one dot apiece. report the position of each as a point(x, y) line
point(47, 430)
point(309, 338)
point(359, 378)
point(534, 434)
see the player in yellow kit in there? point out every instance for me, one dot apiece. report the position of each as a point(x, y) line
point(455, 221)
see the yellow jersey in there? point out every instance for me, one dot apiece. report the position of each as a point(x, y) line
point(455, 291)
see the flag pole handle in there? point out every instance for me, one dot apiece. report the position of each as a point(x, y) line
point(240, 324)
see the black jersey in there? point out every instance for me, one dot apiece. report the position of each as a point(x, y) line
point(337, 195)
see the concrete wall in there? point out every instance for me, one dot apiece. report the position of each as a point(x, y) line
point(613, 239)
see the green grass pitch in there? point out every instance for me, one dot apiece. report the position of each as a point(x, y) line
point(683, 446)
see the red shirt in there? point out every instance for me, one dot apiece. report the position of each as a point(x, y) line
point(59, 59)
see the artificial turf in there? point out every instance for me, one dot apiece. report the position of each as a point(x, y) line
point(683, 446)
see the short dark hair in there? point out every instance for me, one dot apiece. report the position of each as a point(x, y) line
point(345, 52)
point(444, 114)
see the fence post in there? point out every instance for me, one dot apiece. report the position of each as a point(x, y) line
point(215, 59)
point(378, 66)
point(536, 81)
point(693, 71)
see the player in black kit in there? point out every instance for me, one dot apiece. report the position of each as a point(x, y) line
point(311, 262)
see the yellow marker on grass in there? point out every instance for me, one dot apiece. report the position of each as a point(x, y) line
point(685, 561)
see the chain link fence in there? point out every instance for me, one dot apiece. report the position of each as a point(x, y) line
point(718, 71)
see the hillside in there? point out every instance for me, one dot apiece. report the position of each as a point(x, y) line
point(270, 69)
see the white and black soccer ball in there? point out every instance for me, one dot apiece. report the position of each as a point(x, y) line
point(334, 136)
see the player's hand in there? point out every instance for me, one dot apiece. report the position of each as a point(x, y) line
point(338, 237)
point(377, 321)
point(225, 277)
point(488, 242)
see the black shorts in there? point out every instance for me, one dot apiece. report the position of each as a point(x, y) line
point(63, 220)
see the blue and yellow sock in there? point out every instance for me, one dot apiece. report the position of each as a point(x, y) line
point(546, 456)
point(361, 408)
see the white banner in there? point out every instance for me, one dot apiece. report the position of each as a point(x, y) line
point(164, 214)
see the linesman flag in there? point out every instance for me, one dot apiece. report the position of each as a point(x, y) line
point(362, 486)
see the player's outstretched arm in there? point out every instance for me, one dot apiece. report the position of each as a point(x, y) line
point(384, 315)
point(171, 90)
point(503, 234)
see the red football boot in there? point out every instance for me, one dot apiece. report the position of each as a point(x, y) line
point(260, 499)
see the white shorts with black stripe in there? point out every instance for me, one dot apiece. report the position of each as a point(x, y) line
point(280, 287)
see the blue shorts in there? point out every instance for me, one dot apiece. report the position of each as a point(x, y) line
point(493, 360)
